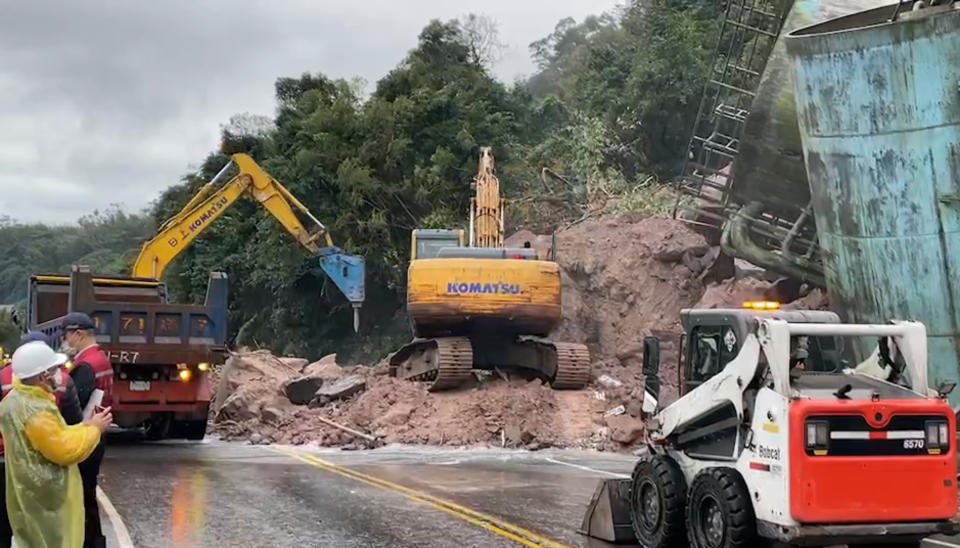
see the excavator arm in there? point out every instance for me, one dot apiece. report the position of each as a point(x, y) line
point(486, 207)
point(176, 234)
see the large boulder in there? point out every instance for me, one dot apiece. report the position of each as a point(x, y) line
point(294, 363)
point(241, 405)
point(625, 429)
point(253, 401)
point(324, 368)
point(259, 365)
point(340, 389)
point(301, 390)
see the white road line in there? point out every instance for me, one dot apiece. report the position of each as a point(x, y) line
point(123, 536)
point(587, 468)
point(936, 542)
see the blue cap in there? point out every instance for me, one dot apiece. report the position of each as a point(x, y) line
point(31, 336)
point(76, 320)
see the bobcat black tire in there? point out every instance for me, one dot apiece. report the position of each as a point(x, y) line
point(658, 494)
point(719, 511)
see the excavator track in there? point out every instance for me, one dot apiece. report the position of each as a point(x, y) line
point(444, 362)
point(573, 366)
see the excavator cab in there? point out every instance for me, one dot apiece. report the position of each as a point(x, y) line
point(426, 243)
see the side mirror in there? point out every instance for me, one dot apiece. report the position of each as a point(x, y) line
point(651, 356)
point(945, 387)
point(651, 373)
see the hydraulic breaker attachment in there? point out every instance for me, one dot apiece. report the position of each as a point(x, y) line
point(608, 516)
point(348, 273)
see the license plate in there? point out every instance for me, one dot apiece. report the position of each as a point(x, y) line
point(139, 386)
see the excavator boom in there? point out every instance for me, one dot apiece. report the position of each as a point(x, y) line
point(176, 234)
point(486, 207)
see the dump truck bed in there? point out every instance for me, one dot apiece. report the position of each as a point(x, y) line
point(134, 322)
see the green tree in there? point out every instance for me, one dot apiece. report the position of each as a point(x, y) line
point(639, 72)
point(9, 332)
point(106, 241)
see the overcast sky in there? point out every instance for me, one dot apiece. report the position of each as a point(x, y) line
point(106, 102)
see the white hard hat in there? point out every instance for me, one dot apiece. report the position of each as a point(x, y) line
point(34, 358)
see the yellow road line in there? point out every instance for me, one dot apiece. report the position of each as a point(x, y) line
point(491, 523)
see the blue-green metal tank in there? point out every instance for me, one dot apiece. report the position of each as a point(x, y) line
point(879, 110)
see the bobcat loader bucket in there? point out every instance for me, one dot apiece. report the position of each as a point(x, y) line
point(608, 516)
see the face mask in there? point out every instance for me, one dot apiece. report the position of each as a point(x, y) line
point(65, 348)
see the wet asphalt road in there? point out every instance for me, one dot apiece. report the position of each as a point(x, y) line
point(223, 494)
point(214, 494)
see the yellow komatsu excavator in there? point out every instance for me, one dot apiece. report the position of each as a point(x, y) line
point(176, 234)
point(474, 303)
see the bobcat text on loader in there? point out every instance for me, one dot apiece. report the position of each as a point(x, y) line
point(781, 435)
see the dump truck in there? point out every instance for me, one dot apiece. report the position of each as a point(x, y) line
point(790, 427)
point(476, 304)
point(162, 352)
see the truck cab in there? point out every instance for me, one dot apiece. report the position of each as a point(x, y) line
point(161, 352)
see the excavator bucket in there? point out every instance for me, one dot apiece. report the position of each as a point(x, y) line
point(608, 516)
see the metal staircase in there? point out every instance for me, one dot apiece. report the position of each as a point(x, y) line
point(748, 32)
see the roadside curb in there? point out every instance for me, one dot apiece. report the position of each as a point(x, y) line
point(123, 539)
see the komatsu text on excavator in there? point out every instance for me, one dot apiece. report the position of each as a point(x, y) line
point(176, 234)
point(478, 304)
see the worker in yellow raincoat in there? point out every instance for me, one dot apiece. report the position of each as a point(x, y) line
point(43, 491)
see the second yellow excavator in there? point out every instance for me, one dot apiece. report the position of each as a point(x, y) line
point(478, 304)
point(176, 234)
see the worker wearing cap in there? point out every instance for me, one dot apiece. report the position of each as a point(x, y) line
point(68, 404)
point(43, 489)
point(91, 370)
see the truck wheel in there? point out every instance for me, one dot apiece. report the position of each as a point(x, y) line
point(194, 429)
point(657, 496)
point(719, 511)
point(158, 427)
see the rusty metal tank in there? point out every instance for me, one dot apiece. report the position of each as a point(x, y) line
point(879, 114)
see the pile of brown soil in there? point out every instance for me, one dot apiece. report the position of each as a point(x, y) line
point(493, 411)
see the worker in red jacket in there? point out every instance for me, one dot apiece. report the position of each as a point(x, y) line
point(91, 370)
point(66, 400)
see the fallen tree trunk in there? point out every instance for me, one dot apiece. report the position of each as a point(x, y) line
point(347, 429)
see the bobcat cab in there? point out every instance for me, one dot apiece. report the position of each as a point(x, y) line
point(781, 435)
